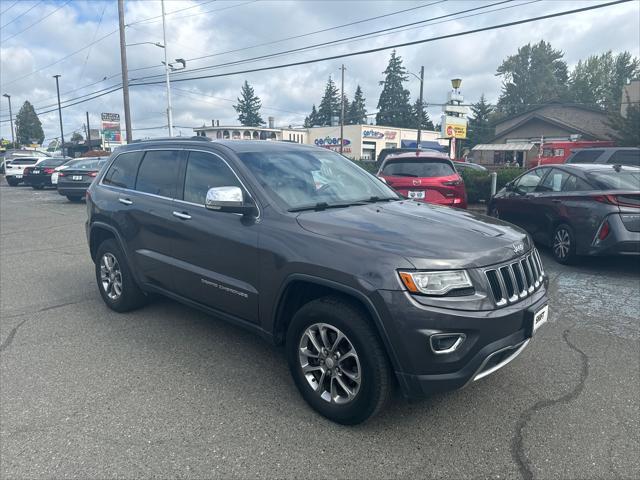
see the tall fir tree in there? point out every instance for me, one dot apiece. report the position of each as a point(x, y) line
point(357, 110)
point(248, 107)
point(394, 107)
point(480, 129)
point(330, 104)
point(537, 74)
point(28, 125)
point(427, 124)
point(626, 128)
point(312, 119)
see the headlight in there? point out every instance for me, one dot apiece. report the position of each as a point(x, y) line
point(435, 283)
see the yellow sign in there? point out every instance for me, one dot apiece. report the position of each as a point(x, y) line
point(454, 127)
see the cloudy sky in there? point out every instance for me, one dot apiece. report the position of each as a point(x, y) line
point(79, 40)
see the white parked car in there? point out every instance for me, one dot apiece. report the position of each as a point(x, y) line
point(14, 170)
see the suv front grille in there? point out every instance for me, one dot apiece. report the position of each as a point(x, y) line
point(516, 280)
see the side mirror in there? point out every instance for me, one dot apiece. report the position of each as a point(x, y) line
point(509, 187)
point(230, 200)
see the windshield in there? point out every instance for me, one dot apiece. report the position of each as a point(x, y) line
point(617, 180)
point(24, 161)
point(423, 167)
point(309, 178)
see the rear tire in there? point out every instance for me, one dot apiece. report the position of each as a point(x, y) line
point(563, 244)
point(357, 361)
point(74, 198)
point(115, 281)
point(12, 182)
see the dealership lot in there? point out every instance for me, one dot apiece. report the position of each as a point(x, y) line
point(169, 391)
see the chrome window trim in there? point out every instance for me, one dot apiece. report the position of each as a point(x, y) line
point(182, 149)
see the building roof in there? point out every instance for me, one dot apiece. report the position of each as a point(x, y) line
point(505, 147)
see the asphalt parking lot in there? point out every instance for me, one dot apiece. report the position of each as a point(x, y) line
point(167, 391)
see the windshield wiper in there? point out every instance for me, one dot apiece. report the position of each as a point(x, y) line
point(324, 206)
point(375, 199)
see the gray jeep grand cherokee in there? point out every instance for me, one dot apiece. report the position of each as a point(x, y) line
point(364, 288)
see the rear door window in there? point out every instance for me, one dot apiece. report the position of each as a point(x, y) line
point(417, 168)
point(575, 184)
point(554, 181)
point(123, 170)
point(585, 156)
point(158, 173)
point(205, 171)
point(625, 157)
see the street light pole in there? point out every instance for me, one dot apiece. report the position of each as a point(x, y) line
point(125, 72)
point(13, 138)
point(59, 112)
point(166, 72)
point(342, 110)
point(421, 108)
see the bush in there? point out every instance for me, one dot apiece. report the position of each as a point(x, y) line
point(371, 167)
point(478, 184)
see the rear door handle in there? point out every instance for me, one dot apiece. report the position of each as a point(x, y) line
point(182, 215)
point(555, 200)
point(125, 201)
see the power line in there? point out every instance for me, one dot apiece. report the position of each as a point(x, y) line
point(21, 15)
point(158, 18)
point(144, 20)
point(9, 7)
point(38, 21)
point(86, 60)
point(398, 45)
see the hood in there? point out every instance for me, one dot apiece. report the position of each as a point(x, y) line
point(429, 236)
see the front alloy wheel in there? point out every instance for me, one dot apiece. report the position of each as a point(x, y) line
point(330, 363)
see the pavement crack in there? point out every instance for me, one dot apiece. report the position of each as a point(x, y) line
point(517, 444)
point(7, 341)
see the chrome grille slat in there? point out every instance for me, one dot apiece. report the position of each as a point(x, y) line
point(517, 279)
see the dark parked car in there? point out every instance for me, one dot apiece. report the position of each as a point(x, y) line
point(39, 176)
point(74, 180)
point(577, 209)
point(468, 166)
point(425, 176)
point(300, 245)
point(609, 155)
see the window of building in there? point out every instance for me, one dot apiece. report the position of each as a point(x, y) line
point(246, 135)
point(123, 170)
point(273, 136)
point(218, 134)
point(225, 134)
point(256, 135)
point(158, 173)
point(205, 171)
point(236, 135)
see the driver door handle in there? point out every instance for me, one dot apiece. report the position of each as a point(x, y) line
point(182, 215)
point(125, 201)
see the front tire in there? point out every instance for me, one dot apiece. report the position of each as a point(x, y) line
point(337, 361)
point(563, 244)
point(115, 281)
point(12, 182)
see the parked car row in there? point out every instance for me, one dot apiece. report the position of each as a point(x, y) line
point(71, 177)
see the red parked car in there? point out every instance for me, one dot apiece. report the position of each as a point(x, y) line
point(427, 176)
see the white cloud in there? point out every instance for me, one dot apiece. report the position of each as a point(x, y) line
point(287, 94)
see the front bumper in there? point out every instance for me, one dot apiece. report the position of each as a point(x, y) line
point(491, 340)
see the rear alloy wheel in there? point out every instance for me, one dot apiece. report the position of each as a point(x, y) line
point(337, 360)
point(563, 246)
point(115, 281)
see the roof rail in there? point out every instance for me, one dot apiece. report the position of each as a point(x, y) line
point(171, 139)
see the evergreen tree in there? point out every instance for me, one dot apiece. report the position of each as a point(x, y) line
point(312, 118)
point(537, 74)
point(28, 126)
point(626, 128)
point(248, 107)
point(330, 104)
point(598, 80)
point(357, 110)
point(76, 137)
point(427, 124)
point(394, 107)
point(480, 129)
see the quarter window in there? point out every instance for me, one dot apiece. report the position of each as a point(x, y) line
point(626, 157)
point(205, 171)
point(122, 172)
point(159, 172)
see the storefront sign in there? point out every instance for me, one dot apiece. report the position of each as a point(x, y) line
point(329, 142)
point(372, 134)
point(389, 135)
point(454, 127)
point(111, 127)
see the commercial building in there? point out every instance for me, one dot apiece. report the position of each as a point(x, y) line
point(360, 142)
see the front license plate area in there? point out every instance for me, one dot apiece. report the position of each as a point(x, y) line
point(415, 194)
point(536, 318)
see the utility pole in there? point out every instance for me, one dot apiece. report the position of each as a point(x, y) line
point(89, 133)
point(125, 72)
point(342, 110)
point(13, 139)
point(421, 108)
point(59, 112)
point(166, 72)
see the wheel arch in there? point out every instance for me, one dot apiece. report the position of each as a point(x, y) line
point(300, 289)
point(100, 232)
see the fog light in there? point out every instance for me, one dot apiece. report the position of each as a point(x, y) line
point(442, 343)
